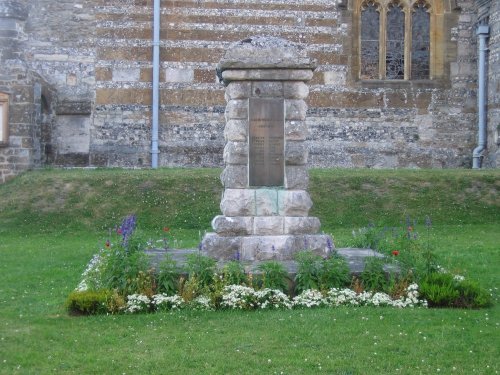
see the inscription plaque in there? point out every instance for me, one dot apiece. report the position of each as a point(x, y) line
point(266, 119)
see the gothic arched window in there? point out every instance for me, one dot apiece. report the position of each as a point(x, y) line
point(395, 39)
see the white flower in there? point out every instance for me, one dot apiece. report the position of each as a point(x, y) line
point(309, 298)
point(137, 303)
point(165, 302)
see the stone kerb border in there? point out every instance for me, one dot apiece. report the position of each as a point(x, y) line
point(259, 223)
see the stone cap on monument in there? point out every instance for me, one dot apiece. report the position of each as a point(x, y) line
point(262, 52)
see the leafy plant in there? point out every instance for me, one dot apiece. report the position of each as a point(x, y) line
point(234, 273)
point(201, 267)
point(88, 302)
point(274, 275)
point(335, 272)
point(439, 290)
point(445, 290)
point(373, 276)
point(168, 276)
point(309, 269)
point(121, 270)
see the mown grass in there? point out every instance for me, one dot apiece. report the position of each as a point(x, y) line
point(51, 222)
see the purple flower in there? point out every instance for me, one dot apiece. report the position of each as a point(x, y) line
point(329, 244)
point(237, 256)
point(127, 228)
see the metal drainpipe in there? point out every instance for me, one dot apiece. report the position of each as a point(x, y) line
point(156, 83)
point(477, 155)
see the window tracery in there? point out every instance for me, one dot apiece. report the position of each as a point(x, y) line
point(395, 39)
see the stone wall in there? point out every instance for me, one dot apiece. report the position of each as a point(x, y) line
point(493, 154)
point(96, 54)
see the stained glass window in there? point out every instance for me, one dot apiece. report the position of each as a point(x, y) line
point(420, 48)
point(370, 30)
point(395, 50)
point(395, 40)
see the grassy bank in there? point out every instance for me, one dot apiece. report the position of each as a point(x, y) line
point(51, 222)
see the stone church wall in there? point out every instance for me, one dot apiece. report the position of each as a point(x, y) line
point(96, 57)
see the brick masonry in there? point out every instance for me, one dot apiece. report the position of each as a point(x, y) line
point(91, 60)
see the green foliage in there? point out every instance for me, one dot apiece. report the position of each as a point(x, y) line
point(88, 302)
point(168, 276)
point(189, 289)
point(125, 271)
point(274, 275)
point(373, 276)
point(411, 253)
point(201, 267)
point(309, 269)
point(335, 273)
point(45, 245)
point(472, 295)
point(234, 273)
point(443, 290)
point(314, 272)
point(439, 290)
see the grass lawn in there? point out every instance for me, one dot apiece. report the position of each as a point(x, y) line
point(52, 222)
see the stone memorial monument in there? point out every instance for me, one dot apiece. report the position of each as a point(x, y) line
point(265, 204)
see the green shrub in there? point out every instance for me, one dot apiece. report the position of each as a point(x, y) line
point(373, 276)
point(274, 275)
point(234, 273)
point(472, 295)
point(309, 267)
point(121, 270)
point(445, 290)
point(439, 290)
point(88, 302)
point(335, 273)
point(168, 276)
point(202, 268)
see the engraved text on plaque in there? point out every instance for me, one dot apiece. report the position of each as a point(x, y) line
point(266, 142)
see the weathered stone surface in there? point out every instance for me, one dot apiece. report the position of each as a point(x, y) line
point(235, 177)
point(238, 90)
point(296, 177)
point(301, 225)
point(236, 130)
point(237, 109)
point(294, 203)
point(268, 225)
point(266, 201)
point(295, 90)
point(262, 89)
point(320, 244)
point(296, 130)
point(232, 226)
point(223, 248)
point(261, 52)
point(236, 153)
point(238, 202)
point(267, 75)
point(296, 153)
point(295, 109)
point(267, 247)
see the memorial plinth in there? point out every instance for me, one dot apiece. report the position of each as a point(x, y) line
point(265, 205)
